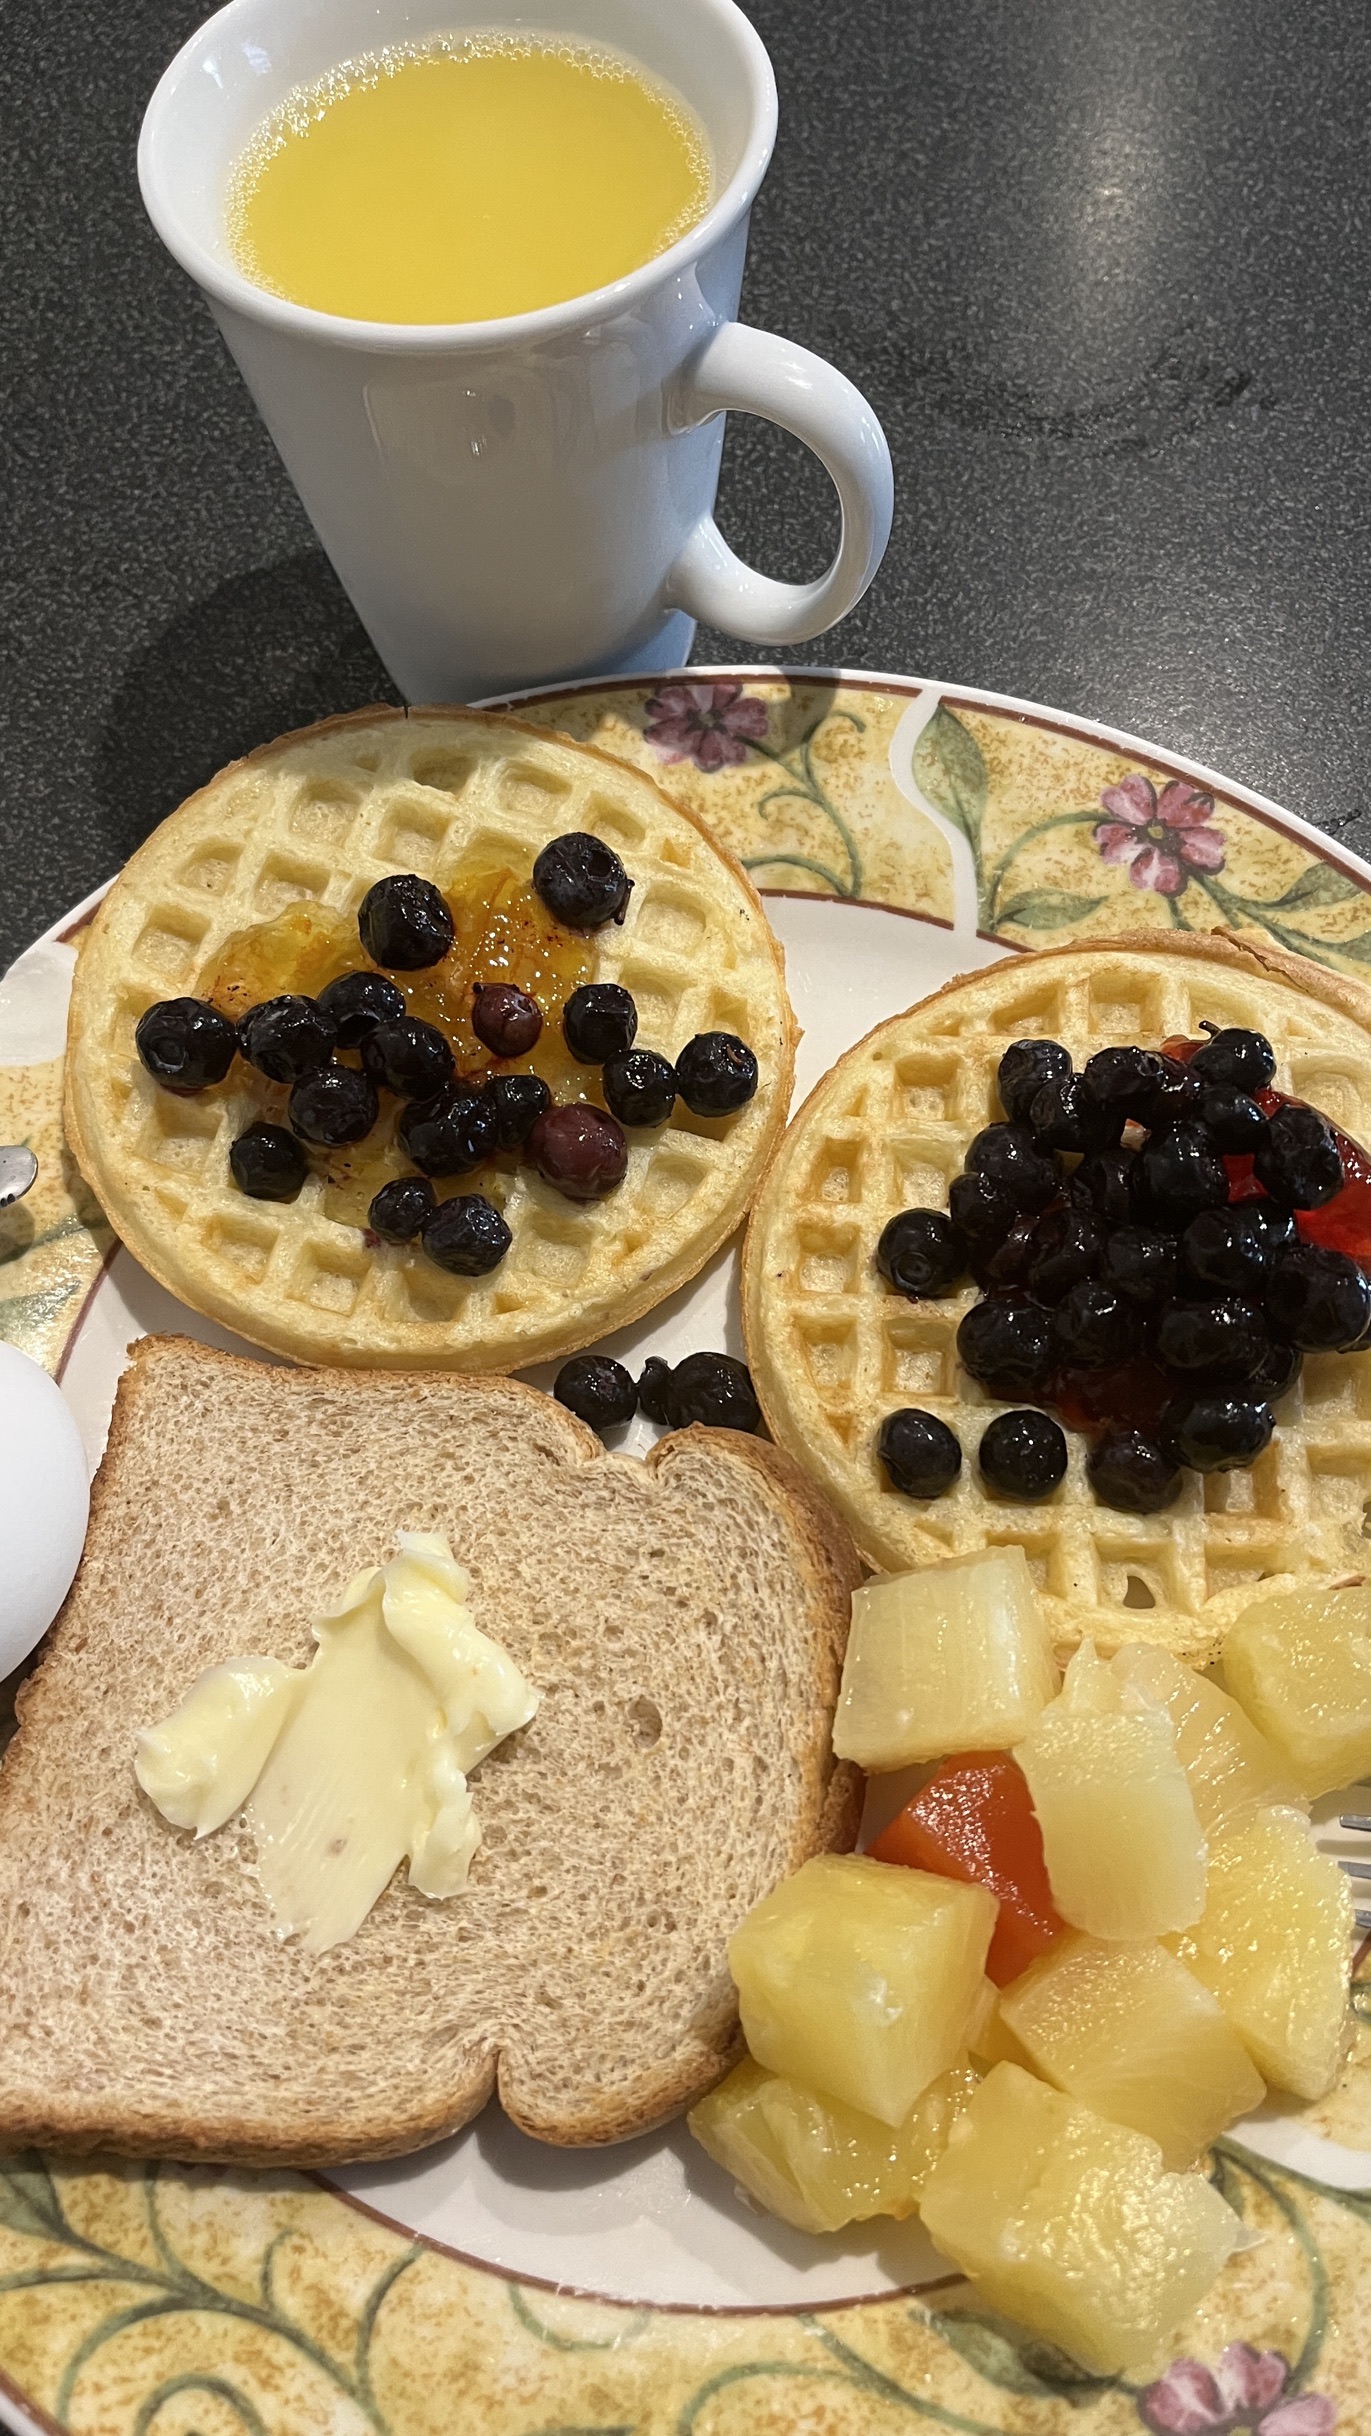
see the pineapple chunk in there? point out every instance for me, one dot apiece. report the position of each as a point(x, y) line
point(1274, 1945)
point(1232, 1769)
point(1071, 2224)
point(1125, 1856)
point(859, 1980)
point(957, 1658)
point(1128, 2030)
point(1301, 1666)
point(819, 2164)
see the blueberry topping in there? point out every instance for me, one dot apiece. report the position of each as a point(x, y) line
point(1066, 1246)
point(652, 1387)
point(1066, 1116)
point(1178, 1094)
point(409, 1057)
point(980, 1211)
point(920, 1454)
point(268, 1163)
point(1216, 1433)
point(580, 1150)
point(356, 1002)
point(1277, 1372)
point(639, 1087)
point(1180, 1173)
point(1104, 1183)
point(518, 1101)
point(1299, 1164)
point(404, 923)
point(287, 1038)
point(1006, 1264)
point(450, 1133)
point(714, 1391)
point(1224, 1341)
point(466, 1236)
point(186, 1044)
point(1223, 1252)
point(1023, 1455)
point(1244, 1061)
point(1140, 1262)
point(400, 1208)
point(1009, 1158)
point(582, 881)
point(335, 1106)
point(1007, 1346)
point(1274, 1227)
point(597, 1390)
point(1319, 1300)
point(505, 1019)
point(1127, 1470)
point(921, 1253)
point(600, 1021)
point(1022, 1072)
point(716, 1073)
point(1234, 1122)
point(1095, 1326)
point(1125, 1080)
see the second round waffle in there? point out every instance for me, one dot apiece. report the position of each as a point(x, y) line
point(833, 1350)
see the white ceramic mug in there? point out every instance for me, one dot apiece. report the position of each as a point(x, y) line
point(510, 502)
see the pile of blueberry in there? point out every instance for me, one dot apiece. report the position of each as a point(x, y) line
point(450, 1125)
point(1134, 1228)
point(711, 1389)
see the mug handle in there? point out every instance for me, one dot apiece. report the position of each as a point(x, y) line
point(754, 372)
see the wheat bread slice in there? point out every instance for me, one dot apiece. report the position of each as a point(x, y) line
point(684, 1619)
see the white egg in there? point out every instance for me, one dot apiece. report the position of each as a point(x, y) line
point(44, 1503)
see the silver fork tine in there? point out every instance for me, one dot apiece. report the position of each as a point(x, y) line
point(1361, 1826)
point(1363, 1919)
point(1355, 1869)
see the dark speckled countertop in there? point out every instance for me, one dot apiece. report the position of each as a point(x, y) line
point(1102, 265)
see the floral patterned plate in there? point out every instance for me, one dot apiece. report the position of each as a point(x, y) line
point(904, 831)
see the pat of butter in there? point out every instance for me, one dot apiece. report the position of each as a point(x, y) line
point(357, 1762)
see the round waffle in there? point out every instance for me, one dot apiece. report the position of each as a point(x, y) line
point(317, 817)
point(833, 1350)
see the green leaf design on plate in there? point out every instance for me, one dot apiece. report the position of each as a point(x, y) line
point(949, 768)
point(1018, 2366)
point(1321, 884)
point(1358, 949)
point(29, 2201)
point(1047, 909)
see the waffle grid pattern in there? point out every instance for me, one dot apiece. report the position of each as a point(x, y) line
point(833, 1349)
point(320, 817)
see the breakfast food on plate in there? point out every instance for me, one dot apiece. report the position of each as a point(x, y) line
point(710, 1388)
point(1075, 1956)
point(1301, 1666)
point(427, 1039)
point(1076, 1255)
point(681, 1622)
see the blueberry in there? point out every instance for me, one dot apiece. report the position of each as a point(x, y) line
point(653, 1382)
point(980, 1211)
point(1274, 1227)
point(1023, 1455)
point(639, 1087)
point(1105, 1183)
point(582, 881)
point(466, 1236)
point(1276, 1374)
point(505, 1019)
point(335, 1106)
point(1006, 1263)
point(356, 1002)
point(921, 1456)
point(518, 1100)
point(1129, 1471)
point(1177, 1095)
point(1066, 1246)
point(1022, 1072)
point(408, 1057)
point(1009, 1158)
point(1223, 1251)
point(450, 1133)
point(1008, 1347)
point(1234, 1122)
point(1095, 1326)
point(1241, 1060)
point(921, 1253)
point(1224, 1341)
point(1180, 1173)
point(597, 1390)
point(1065, 1116)
point(1216, 1433)
point(186, 1044)
point(400, 1208)
point(599, 1021)
point(580, 1150)
point(1299, 1164)
point(1318, 1300)
point(1140, 1262)
point(714, 1391)
point(404, 923)
point(716, 1074)
point(1124, 1080)
point(287, 1038)
point(268, 1163)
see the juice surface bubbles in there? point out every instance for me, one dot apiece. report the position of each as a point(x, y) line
point(466, 179)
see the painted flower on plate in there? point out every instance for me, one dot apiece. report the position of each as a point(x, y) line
point(1159, 840)
point(710, 725)
point(1245, 2390)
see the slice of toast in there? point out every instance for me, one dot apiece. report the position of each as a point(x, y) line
point(684, 1619)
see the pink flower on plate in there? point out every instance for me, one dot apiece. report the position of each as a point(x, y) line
point(710, 725)
point(1245, 2390)
point(1160, 840)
